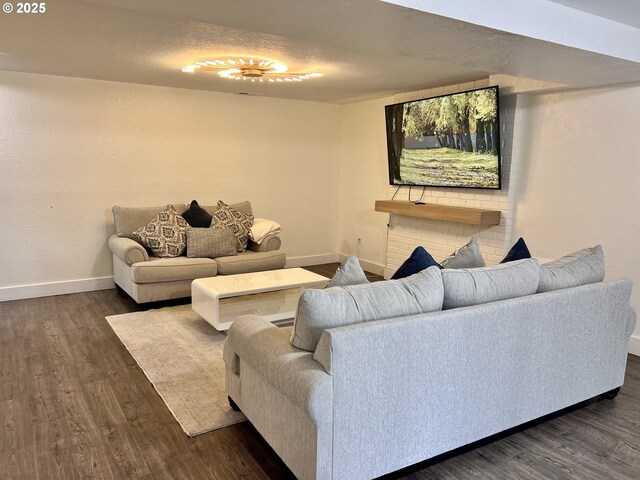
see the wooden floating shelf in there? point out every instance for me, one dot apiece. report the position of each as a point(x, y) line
point(446, 213)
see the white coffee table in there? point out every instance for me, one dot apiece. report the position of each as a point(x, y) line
point(273, 295)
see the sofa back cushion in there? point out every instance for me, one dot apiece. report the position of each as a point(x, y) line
point(473, 286)
point(319, 310)
point(579, 268)
point(242, 207)
point(129, 219)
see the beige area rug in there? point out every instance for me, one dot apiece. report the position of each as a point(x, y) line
point(181, 355)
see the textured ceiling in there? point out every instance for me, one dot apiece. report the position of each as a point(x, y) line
point(365, 48)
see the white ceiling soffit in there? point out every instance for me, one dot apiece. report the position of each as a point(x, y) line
point(365, 48)
point(623, 11)
point(564, 22)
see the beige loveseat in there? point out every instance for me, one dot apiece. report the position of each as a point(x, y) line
point(147, 278)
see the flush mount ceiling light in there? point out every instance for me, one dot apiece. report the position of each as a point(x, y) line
point(250, 69)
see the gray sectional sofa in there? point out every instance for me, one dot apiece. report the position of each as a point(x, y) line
point(148, 279)
point(371, 397)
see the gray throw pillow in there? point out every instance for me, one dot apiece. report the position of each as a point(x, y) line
point(468, 256)
point(319, 310)
point(579, 268)
point(474, 286)
point(210, 243)
point(349, 273)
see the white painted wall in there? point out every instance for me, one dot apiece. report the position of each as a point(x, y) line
point(72, 148)
point(580, 181)
point(364, 177)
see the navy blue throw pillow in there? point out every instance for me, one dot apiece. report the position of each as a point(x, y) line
point(418, 261)
point(519, 251)
point(196, 216)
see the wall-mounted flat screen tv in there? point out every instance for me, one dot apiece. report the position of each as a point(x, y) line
point(447, 141)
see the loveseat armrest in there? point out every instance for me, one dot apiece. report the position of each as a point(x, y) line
point(269, 243)
point(293, 372)
point(127, 250)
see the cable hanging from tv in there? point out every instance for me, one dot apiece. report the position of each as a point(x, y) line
point(419, 201)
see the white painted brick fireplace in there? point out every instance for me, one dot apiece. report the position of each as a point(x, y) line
point(442, 238)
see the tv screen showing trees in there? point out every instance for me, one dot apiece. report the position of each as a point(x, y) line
point(447, 141)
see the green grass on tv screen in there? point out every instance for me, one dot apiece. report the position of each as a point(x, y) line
point(448, 167)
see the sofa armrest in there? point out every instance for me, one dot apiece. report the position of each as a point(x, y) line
point(322, 355)
point(127, 250)
point(631, 322)
point(294, 372)
point(270, 242)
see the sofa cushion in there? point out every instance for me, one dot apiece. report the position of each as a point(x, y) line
point(196, 216)
point(467, 256)
point(473, 286)
point(319, 310)
point(419, 260)
point(129, 219)
point(239, 223)
point(173, 269)
point(579, 268)
point(519, 251)
point(349, 273)
point(242, 207)
point(210, 243)
point(250, 261)
point(165, 235)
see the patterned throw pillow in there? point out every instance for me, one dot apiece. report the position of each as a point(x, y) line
point(165, 235)
point(238, 222)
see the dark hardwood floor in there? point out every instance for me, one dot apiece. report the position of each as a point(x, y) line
point(74, 404)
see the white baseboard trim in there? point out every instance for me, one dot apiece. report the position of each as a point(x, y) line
point(634, 345)
point(311, 260)
point(367, 265)
point(21, 292)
